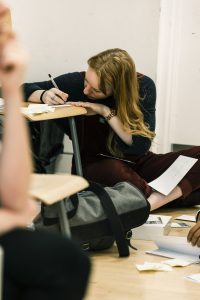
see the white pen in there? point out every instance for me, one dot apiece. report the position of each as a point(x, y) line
point(53, 81)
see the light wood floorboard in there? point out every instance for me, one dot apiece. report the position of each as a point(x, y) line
point(115, 278)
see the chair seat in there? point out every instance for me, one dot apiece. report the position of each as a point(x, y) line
point(51, 188)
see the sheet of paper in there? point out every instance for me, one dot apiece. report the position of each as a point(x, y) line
point(186, 218)
point(194, 277)
point(173, 175)
point(179, 225)
point(37, 109)
point(176, 262)
point(154, 219)
point(176, 247)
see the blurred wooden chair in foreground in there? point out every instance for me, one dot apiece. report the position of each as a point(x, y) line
point(53, 188)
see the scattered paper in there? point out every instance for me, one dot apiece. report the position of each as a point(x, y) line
point(177, 262)
point(148, 266)
point(154, 219)
point(194, 277)
point(173, 175)
point(179, 225)
point(176, 247)
point(156, 226)
point(186, 218)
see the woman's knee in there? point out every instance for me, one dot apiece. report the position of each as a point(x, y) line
point(107, 172)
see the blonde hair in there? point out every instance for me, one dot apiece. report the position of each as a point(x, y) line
point(116, 71)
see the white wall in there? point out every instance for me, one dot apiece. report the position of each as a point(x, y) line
point(62, 34)
point(178, 74)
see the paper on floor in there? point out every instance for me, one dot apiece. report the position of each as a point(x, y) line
point(179, 225)
point(194, 277)
point(149, 266)
point(175, 247)
point(177, 262)
point(186, 218)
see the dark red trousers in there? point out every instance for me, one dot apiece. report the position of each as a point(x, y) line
point(145, 169)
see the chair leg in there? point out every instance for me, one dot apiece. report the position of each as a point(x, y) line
point(63, 220)
point(75, 144)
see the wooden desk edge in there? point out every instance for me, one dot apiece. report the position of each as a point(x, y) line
point(60, 112)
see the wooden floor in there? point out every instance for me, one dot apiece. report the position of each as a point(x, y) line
point(115, 278)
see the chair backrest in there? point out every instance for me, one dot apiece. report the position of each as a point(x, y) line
point(1, 272)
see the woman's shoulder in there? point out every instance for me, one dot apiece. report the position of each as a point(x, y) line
point(144, 79)
point(147, 90)
point(69, 82)
point(72, 76)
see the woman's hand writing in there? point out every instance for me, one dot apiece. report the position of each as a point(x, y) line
point(54, 96)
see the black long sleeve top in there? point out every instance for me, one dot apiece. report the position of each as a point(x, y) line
point(73, 84)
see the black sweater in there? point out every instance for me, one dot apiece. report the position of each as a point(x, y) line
point(95, 129)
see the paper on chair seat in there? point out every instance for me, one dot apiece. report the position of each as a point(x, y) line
point(176, 247)
point(37, 109)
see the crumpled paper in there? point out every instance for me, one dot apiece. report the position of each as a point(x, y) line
point(148, 266)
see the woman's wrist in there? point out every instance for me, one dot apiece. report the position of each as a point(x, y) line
point(111, 114)
point(42, 96)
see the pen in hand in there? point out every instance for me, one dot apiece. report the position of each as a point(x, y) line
point(53, 81)
point(59, 94)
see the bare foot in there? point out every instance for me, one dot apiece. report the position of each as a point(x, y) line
point(157, 200)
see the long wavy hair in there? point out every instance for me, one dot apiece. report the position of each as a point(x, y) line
point(116, 71)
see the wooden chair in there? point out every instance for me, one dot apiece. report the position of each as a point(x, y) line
point(53, 188)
